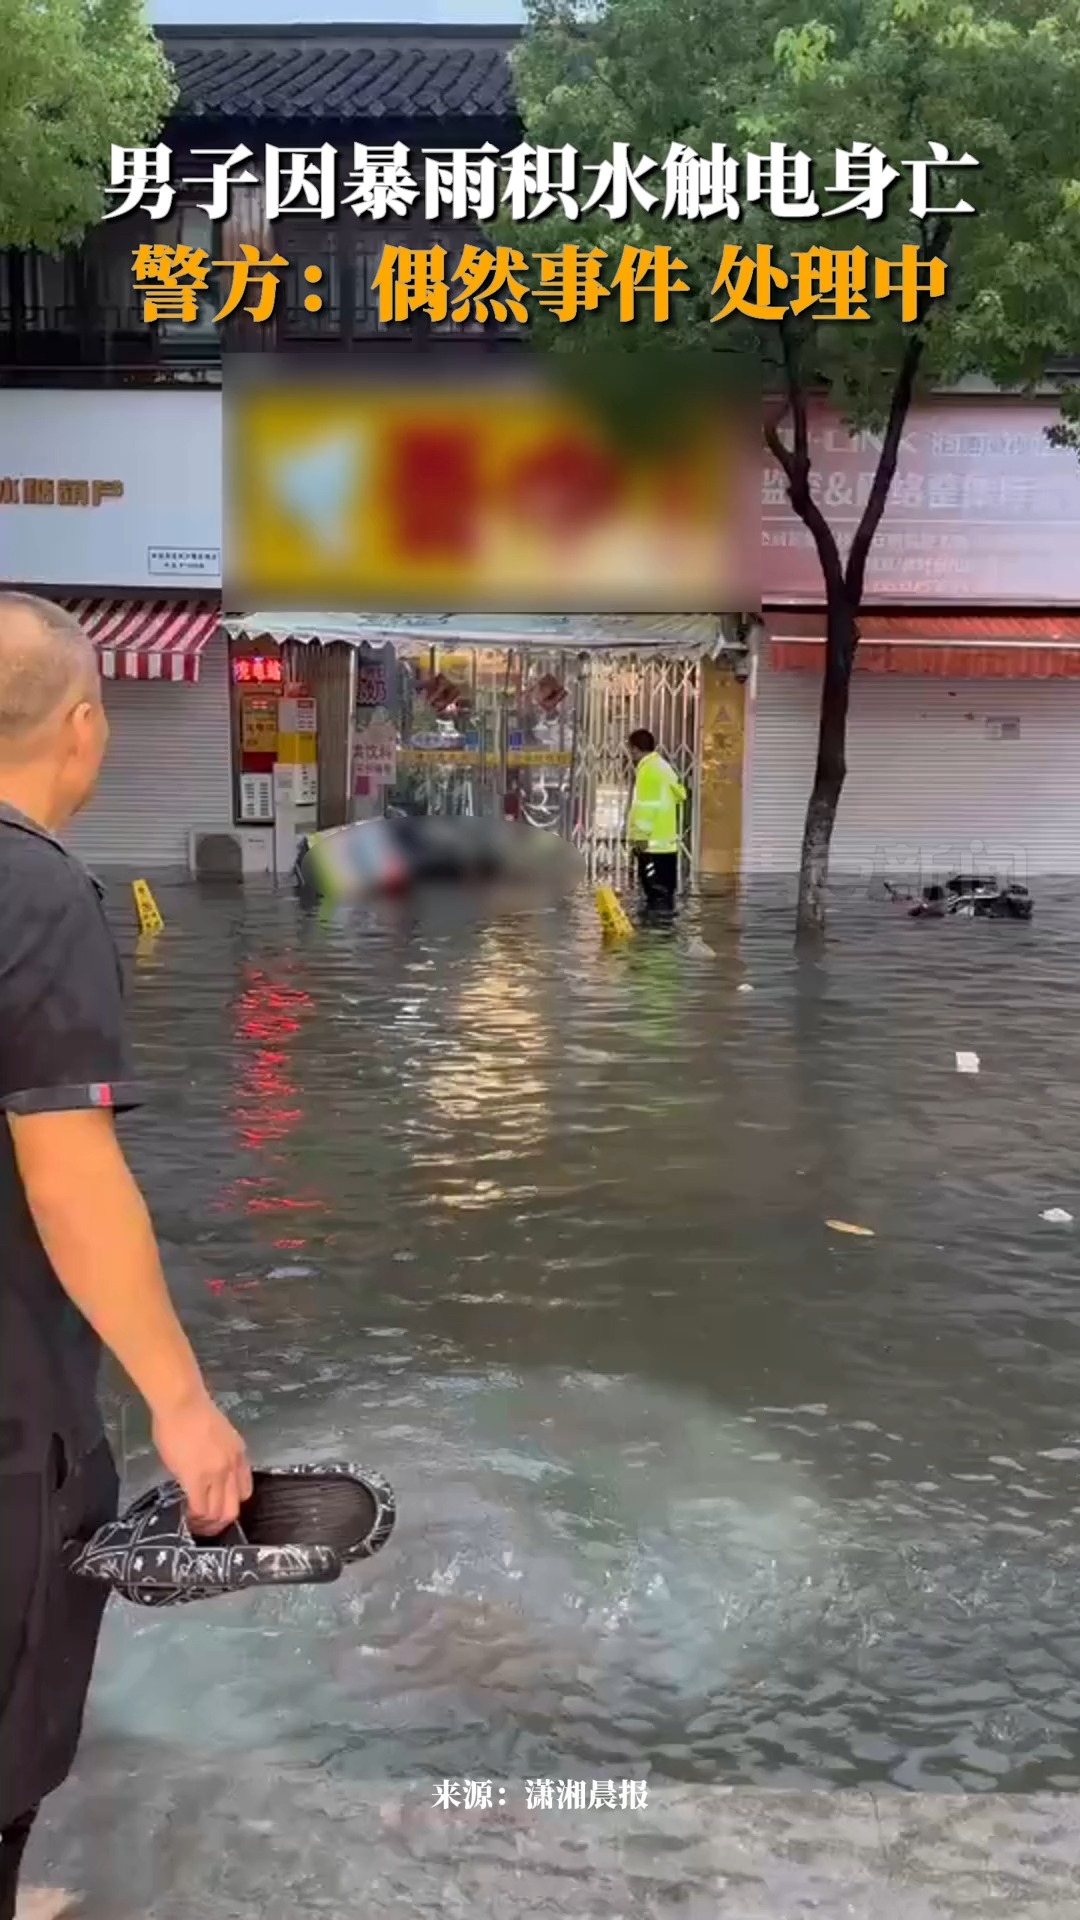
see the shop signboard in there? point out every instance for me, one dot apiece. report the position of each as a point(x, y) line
point(440, 490)
point(258, 723)
point(982, 509)
point(112, 488)
point(375, 755)
point(258, 670)
point(372, 689)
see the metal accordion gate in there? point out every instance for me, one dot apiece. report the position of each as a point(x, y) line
point(615, 693)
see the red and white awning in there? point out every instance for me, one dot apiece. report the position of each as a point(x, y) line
point(148, 639)
point(943, 646)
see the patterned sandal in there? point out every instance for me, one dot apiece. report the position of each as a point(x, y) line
point(301, 1526)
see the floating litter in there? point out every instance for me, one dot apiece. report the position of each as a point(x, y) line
point(1057, 1217)
point(699, 950)
point(967, 1063)
point(848, 1226)
point(744, 987)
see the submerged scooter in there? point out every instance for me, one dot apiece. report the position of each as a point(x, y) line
point(967, 896)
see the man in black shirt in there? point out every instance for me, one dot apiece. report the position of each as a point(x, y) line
point(79, 1263)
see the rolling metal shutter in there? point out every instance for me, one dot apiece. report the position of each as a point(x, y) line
point(940, 775)
point(168, 768)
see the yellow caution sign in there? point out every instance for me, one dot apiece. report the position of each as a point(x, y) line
point(613, 916)
point(147, 952)
point(150, 920)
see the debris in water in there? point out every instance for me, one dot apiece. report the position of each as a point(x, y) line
point(967, 1063)
point(744, 987)
point(698, 950)
point(1057, 1217)
point(848, 1226)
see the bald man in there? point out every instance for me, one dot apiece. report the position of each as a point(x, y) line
point(79, 1263)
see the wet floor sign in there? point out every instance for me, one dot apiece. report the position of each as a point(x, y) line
point(146, 907)
point(613, 916)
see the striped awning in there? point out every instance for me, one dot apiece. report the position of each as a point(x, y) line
point(939, 646)
point(148, 639)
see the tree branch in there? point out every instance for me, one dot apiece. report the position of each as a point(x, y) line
point(795, 462)
point(936, 241)
point(781, 454)
point(903, 389)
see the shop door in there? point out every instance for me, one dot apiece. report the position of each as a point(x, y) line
point(613, 696)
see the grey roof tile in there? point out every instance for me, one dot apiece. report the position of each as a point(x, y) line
point(338, 74)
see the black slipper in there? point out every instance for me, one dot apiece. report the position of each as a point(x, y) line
point(302, 1525)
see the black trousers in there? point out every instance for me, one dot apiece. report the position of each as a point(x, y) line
point(50, 1621)
point(658, 874)
point(13, 1841)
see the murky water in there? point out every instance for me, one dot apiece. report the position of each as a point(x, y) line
point(690, 1485)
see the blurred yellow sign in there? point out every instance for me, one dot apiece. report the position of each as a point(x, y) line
point(258, 723)
point(147, 910)
point(438, 494)
point(614, 918)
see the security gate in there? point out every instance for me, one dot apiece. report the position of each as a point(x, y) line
point(614, 694)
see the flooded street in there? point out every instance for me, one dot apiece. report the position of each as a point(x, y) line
point(692, 1488)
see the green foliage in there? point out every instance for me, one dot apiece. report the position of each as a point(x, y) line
point(1000, 80)
point(75, 77)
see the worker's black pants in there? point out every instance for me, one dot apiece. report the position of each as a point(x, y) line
point(659, 877)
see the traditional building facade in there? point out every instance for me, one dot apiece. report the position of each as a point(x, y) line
point(967, 691)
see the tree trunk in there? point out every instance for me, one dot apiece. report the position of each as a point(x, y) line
point(841, 637)
point(843, 597)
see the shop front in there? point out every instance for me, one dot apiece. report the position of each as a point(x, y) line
point(962, 753)
point(111, 504)
point(963, 743)
point(523, 718)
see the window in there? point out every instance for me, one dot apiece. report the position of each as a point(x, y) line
point(190, 226)
point(308, 244)
point(49, 294)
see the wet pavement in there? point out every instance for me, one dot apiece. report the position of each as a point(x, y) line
point(694, 1490)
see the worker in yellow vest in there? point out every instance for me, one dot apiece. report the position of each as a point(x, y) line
point(654, 821)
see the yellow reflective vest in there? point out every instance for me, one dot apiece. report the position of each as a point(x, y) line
point(654, 809)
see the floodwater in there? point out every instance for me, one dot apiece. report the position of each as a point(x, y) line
point(693, 1488)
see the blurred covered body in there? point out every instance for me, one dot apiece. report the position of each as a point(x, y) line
point(374, 858)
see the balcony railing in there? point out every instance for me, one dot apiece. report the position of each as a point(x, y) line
point(80, 318)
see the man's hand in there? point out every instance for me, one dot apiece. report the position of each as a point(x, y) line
point(201, 1450)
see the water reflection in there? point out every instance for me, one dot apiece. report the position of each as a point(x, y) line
point(688, 1485)
point(486, 1068)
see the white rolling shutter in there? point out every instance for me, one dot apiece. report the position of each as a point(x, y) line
point(941, 775)
point(168, 768)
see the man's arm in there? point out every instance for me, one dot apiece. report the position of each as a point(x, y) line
point(63, 1067)
point(94, 1225)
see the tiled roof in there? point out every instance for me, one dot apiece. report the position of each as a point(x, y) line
point(335, 73)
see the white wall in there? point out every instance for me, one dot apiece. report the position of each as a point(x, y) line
point(164, 446)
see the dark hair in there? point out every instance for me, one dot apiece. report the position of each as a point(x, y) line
point(643, 740)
